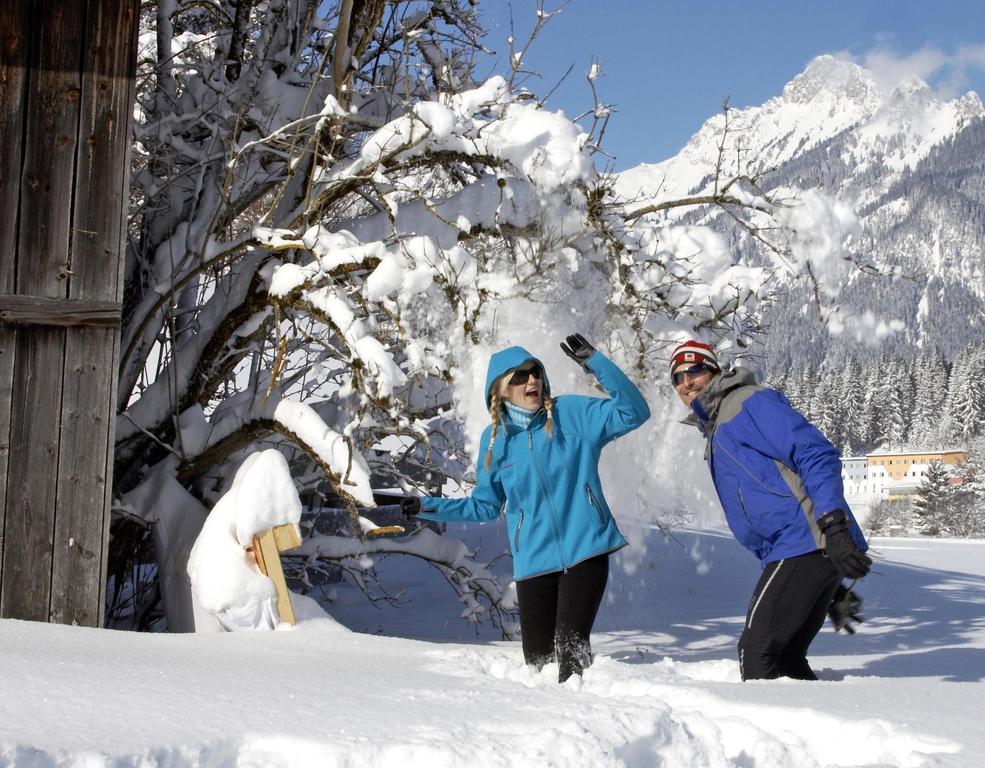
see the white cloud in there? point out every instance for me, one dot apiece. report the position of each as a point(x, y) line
point(892, 67)
point(948, 72)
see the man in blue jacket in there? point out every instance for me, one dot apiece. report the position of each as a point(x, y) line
point(779, 481)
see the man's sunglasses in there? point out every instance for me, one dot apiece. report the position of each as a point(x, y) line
point(692, 373)
point(520, 375)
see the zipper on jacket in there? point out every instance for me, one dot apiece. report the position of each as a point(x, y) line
point(516, 536)
point(547, 496)
point(742, 503)
point(594, 502)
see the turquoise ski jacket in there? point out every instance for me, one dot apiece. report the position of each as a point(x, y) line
point(556, 512)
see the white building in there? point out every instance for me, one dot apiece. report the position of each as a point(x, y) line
point(854, 475)
point(888, 474)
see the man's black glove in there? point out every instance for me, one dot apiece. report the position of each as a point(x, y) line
point(410, 506)
point(844, 609)
point(842, 550)
point(577, 348)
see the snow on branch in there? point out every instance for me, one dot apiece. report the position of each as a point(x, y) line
point(479, 590)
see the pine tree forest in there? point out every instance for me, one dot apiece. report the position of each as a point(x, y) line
point(890, 403)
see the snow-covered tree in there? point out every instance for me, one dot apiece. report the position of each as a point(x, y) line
point(891, 517)
point(934, 502)
point(968, 519)
point(896, 404)
point(930, 394)
point(868, 418)
point(851, 401)
point(333, 219)
point(965, 410)
point(825, 406)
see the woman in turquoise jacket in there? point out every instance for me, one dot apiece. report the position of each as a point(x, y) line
point(538, 461)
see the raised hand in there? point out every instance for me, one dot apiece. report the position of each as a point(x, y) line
point(577, 348)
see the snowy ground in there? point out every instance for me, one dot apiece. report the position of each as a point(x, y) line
point(414, 687)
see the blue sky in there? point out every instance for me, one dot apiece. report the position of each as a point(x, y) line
point(668, 65)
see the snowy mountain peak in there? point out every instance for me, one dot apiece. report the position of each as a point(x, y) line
point(970, 105)
point(832, 97)
point(827, 76)
point(913, 88)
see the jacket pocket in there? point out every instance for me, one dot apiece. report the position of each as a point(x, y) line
point(742, 505)
point(594, 503)
point(516, 533)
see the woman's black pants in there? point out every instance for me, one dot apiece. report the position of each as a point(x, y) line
point(786, 612)
point(557, 611)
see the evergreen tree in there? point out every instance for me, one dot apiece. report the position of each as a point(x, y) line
point(969, 495)
point(851, 397)
point(972, 413)
point(933, 503)
point(826, 400)
point(930, 395)
point(896, 404)
point(868, 420)
point(808, 389)
point(960, 414)
point(793, 388)
point(778, 380)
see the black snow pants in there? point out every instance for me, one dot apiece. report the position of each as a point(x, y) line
point(787, 610)
point(557, 611)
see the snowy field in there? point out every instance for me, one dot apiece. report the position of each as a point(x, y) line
point(413, 686)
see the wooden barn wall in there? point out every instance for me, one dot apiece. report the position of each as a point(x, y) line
point(66, 96)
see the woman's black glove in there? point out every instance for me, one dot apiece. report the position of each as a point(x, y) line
point(842, 550)
point(410, 506)
point(578, 348)
point(844, 609)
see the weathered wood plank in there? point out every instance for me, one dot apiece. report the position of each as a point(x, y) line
point(51, 134)
point(13, 87)
point(32, 470)
point(14, 46)
point(108, 474)
point(103, 171)
point(76, 580)
point(39, 310)
point(101, 192)
point(7, 346)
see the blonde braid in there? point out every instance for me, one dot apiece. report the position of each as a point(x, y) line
point(549, 426)
point(495, 404)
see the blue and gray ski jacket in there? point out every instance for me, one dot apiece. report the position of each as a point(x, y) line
point(774, 471)
point(556, 513)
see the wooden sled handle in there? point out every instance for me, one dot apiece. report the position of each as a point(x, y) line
point(386, 530)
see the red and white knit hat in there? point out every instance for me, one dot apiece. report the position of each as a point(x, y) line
point(693, 352)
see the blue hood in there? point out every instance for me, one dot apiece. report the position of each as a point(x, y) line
point(508, 359)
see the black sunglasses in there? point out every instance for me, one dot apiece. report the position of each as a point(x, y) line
point(520, 375)
point(693, 372)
